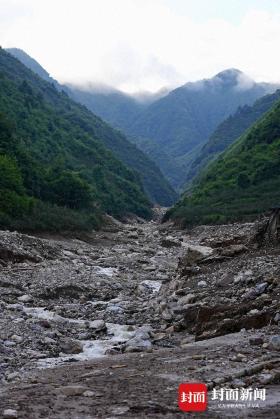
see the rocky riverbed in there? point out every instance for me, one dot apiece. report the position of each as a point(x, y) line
point(109, 324)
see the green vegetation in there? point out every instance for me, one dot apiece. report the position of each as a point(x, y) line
point(227, 132)
point(118, 109)
point(55, 172)
point(172, 128)
point(243, 182)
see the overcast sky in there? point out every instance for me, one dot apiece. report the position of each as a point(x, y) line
point(145, 44)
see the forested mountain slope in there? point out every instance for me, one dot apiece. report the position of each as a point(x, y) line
point(242, 182)
point(187, 116)
point(228, 131)
point(55, 172)
point(156, 186)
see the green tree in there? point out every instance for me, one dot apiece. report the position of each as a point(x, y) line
point(10, 176)
point(70, 190)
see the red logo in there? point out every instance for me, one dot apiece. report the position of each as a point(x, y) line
point(192, 397)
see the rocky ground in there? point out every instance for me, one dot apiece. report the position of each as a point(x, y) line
point(109, 324)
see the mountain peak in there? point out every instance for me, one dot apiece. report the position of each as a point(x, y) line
point(235, 78)
point(230, 77)
point(229, 73)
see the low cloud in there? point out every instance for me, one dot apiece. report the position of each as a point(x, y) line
point(244, 82)
point(140, 44)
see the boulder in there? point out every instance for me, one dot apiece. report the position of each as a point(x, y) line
point(72, 390)
point(25, 298)
point(10, 414)
point(194, 255)
point(170, 242)
point(189, 298)
point(70, 346)
point(97, 325)
point(233, 250)
point(137, 344)
point(256, 341)
point(274, 343)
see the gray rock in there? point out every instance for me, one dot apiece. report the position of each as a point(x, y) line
point(233, 250)
point(9, 343)
point(137, 344)
point(17, 339)
point(49, 341)
point(72, 390)
point(89, 393)
point(133, 235)
point(10, 414)
point(189, 298)
point(265, 378)
point(166, 315)
point(260, 288)
point(274, 343)
point(256, 341)
point(13, 376)
point(70, 346)
point(170, 242)
point(119, 410)
point(277, 317)
point(195, 254)
point(97, 325)
point(25, 298)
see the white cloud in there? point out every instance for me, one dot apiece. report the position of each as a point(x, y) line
point(137, 44)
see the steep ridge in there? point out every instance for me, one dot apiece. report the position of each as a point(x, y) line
point(33, 65)
point(55, 169)
point(187, 116)
point(170, 128)
point(116, 105)
point(228, 131)
point(117, 108)
point(242, 182)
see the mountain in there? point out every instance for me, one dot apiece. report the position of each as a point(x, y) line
point(115, 107)
point(185, 118)
point(228, 131)
point(242, 182)
point(33, 65)
point(121, 110)
point(180, 130)
point(113, 104)
point(55, 172)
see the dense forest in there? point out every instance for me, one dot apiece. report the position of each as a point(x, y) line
point(227, 132)
point(55, 172)
point(56, 167)
point(243, 182)
point(171, 128)
point(118, 109)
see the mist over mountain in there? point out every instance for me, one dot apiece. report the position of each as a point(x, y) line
point(172, 127)
point(56, 172)
point(227, 132)
point(187, 116)
point(33, 65)
point(242, 182)
point(113, 105)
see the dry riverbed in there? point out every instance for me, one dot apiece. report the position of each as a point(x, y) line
point(108, 325)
